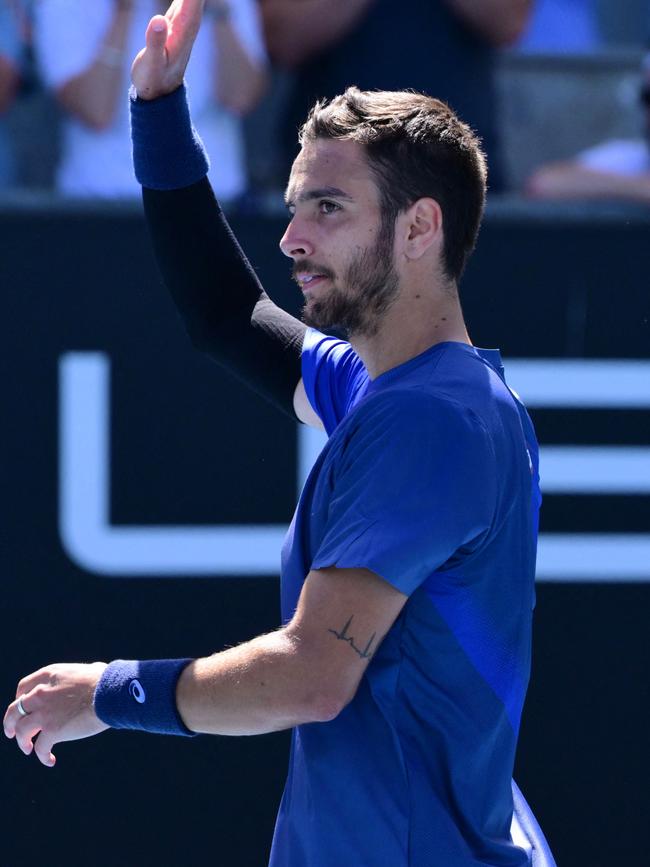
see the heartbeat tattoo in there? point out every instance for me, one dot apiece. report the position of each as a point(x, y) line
point(343, 636)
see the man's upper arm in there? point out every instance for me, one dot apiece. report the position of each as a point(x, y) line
point(341, 619)
point(303, 408)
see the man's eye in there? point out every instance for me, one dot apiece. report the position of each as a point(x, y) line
point(326, 207)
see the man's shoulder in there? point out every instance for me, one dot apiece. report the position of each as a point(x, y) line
point(413, 412)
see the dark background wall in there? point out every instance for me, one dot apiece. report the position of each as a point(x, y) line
point(188, 447)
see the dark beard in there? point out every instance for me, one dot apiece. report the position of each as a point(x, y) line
point(371, 285)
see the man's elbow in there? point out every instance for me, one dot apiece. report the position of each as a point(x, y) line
point(326, 699)
point(322, 689)
point(325, 706)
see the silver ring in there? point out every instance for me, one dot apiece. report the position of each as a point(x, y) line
point(21, 709)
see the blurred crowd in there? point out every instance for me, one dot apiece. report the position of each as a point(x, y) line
point(258, 65)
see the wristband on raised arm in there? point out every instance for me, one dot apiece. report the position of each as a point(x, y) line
point(168, 153)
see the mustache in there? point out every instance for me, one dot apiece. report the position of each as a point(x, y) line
point(312, 267)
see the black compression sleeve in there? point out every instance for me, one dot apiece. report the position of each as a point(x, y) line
point(226, 312)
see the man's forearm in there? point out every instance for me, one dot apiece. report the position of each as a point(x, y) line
point(296, 30)
point(500, 22)
point(265, 685)
point(212, 283)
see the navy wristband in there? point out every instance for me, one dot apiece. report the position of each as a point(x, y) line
point(168, 153)
point(141, 695)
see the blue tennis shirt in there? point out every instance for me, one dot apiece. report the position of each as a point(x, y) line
point(429, 478)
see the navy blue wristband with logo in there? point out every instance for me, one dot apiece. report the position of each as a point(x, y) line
point(141, 695)
point(168, 153)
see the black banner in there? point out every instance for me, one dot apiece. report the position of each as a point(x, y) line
point(146, 496)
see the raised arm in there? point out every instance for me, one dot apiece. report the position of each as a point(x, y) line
point(499, 22)
point(225, 310)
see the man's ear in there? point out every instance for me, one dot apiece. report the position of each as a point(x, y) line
point(421, 227)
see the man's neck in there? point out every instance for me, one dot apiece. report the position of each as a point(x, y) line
point(415, 322)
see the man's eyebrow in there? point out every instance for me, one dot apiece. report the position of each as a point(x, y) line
point(320, 193)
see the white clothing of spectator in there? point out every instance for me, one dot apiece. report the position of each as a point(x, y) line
point(84, 51)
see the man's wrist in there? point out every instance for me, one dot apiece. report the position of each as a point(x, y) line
point(141, 695)
point(168, 153)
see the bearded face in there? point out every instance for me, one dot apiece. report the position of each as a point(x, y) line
point(360, 295)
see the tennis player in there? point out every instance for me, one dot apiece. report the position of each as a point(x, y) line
point(408, 570)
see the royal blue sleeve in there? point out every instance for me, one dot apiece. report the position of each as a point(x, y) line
point(414, 488)
point(332, 374)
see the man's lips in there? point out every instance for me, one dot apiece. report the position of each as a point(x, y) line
point(310, 284)
point(309, 281)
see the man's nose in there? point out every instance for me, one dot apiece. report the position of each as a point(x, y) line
point(294, 242)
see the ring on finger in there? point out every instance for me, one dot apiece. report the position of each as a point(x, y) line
point(21, 708)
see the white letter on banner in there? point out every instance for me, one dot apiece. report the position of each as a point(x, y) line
point(94, 544)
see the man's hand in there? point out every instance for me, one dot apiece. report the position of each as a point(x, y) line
point(57, 705)
point(160, 67)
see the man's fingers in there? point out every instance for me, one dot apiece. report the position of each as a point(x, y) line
point(30, 737)
point(13, 717)
point(160, 66)
point(43, 749)
point(59, 707)
point(28, 683)
point(26, 729)
point(187, 8)
point(172, 10)
point(150, 66)
point(156, 36)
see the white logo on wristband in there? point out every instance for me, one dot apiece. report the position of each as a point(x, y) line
point(137, 691)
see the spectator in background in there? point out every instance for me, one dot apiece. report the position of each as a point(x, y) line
point(11, 47)
point(85, 53)
point(561, 27)
point(615, 169)
point(445, 48)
